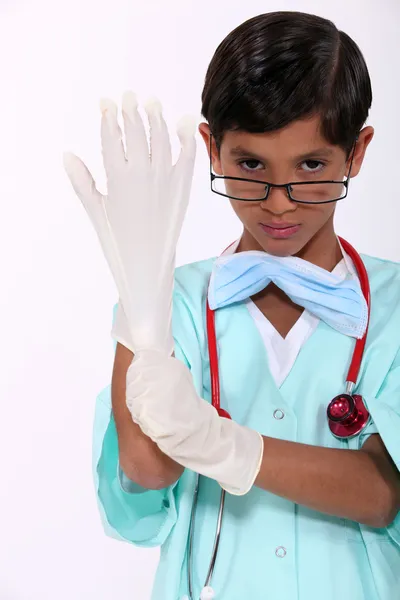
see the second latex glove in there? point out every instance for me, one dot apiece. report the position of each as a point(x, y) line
point(139, 221)
point(161, 397)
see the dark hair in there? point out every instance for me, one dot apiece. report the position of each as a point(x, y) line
point(282, 66)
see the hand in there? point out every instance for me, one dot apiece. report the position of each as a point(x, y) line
point(163, 402)
point(139, 221)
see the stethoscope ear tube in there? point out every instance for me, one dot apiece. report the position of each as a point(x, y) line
point(213, 358)
point(358, 353)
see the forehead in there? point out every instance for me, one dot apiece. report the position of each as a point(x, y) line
point(296, 139)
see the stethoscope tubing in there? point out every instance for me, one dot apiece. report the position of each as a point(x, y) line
point(351, 381)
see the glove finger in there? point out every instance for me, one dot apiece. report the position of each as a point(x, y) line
point(160, 145)
point(83, 184)
point(183, 169)
point(94, 204)
point(111, 138)
point(186, 129)
point(137, 149)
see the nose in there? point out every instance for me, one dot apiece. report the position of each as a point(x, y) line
point(278, 202)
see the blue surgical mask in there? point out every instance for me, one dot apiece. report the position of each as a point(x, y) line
point(338, 302)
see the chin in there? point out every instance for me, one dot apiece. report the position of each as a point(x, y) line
point(289, 247)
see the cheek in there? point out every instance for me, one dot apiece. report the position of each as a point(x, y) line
point(244, 210)
point(317, 215)
point(327, 212)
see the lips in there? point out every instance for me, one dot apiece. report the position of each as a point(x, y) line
point(280, 225)
point(279, 231)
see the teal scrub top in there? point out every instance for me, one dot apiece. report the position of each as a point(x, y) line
point(270, 547)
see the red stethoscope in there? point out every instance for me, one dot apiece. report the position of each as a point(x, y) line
point(347, 413)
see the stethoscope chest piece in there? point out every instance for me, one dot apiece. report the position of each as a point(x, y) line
point(347, 415)
point(207, 593)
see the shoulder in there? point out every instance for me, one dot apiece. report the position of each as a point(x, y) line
point(383, 335)
point(191, 280)
point(188, 315)
point(189, 300)
point(382, 265)
point(384, 276)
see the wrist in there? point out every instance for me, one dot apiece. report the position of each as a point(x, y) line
point(244, 459)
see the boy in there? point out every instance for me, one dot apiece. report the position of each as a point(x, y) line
point(307, 515)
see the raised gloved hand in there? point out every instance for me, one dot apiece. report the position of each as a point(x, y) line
point(139, 221)
point(161, 397)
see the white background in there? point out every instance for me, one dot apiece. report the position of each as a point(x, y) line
point(57, 60)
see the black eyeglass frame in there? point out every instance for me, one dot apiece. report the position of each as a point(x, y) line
point(268, 185)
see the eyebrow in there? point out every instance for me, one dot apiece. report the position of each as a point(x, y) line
point(239, 151)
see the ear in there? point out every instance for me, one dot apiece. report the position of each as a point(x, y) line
point(205, 132)
point(362, 143)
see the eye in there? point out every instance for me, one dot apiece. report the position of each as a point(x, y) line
point(312, 166)
point(250, 164)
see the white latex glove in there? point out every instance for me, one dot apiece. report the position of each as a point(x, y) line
point(163, 401)
point(139, 221)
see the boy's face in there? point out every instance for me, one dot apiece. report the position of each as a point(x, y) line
point(298, 152)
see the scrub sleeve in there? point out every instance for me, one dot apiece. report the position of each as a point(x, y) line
point(385, 412)
point(384, 409)
point(129, 512)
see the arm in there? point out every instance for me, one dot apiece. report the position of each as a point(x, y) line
point(360, 485)
point(140, 458)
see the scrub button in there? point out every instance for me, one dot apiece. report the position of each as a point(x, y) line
point(280, 552)
point(278, 414)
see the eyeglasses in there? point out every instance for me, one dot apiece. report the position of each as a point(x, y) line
point(303, 192)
